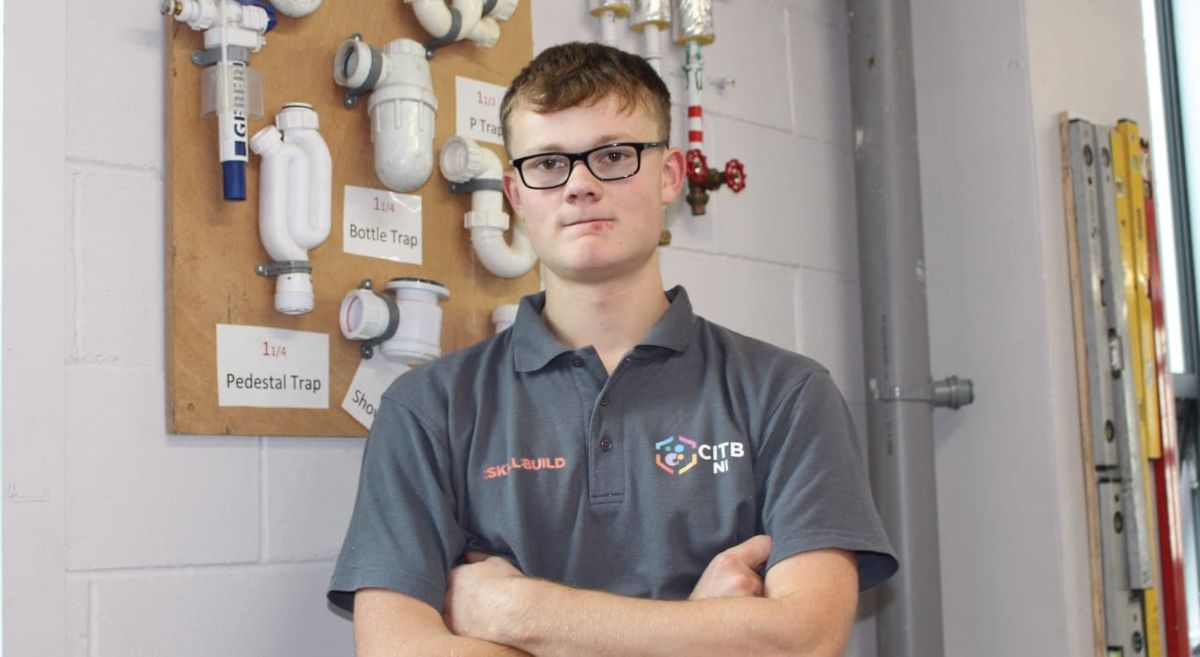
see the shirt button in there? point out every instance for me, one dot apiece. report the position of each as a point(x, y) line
point(604, 400)
point(577, 361)
point(605, 444)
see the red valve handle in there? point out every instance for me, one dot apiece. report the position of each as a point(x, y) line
point(735, 175)
point(697, 166)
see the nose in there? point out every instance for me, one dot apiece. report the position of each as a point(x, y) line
point(585, 184)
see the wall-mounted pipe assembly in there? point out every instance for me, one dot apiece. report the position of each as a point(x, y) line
point(407, 325)
point(693, 29)
point(608, 11)
point(473, 20)
point(895, 325)
point(229, 87)
point(295, 199)
point(401, 105)
point(477, 170)
point(651, 17)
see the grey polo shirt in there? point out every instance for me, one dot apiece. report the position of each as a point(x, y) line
point(630, 483)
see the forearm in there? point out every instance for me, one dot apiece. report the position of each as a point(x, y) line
point(391, 624)
point(447, 646)
point(548, 619)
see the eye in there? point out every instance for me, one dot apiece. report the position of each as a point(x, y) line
point(614, 156)
point(547, 163)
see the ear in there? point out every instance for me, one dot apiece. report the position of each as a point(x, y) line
point(673, 174)
point(512, 190)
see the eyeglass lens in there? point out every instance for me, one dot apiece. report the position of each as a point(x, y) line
point(553, 169)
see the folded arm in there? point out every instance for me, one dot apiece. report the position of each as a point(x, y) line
point(391, 624)
point(807, 609)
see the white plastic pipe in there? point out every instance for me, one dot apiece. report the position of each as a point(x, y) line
point(296, 8)
point(608, 11)
point(484, 31)
point(503, 316)
point(651, 17)
point(694, 72)
point(402, 107)
point(464, 160)
point(650, 36)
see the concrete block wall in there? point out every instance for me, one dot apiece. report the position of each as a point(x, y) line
point(202, 545)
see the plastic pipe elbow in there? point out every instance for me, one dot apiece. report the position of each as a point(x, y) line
point(436, 18)
point(502, 259)
point(463, 160)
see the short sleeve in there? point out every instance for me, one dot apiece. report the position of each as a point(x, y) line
point(403, 534)
point(814, 489)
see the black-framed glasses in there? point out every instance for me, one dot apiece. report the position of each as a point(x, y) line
point(607, 162)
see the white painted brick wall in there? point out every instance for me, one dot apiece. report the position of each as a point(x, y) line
point(218, 545)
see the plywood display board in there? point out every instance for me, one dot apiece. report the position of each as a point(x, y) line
point(213, 245)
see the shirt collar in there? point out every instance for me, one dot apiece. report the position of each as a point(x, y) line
point(534, 346)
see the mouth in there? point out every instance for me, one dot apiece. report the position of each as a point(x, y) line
point(585, 221)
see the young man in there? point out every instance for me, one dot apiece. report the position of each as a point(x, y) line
point(610, 475)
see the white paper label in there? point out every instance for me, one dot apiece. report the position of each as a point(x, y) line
point(382, 224)
point(373, 377)
point(478, 106)
point(272, 368)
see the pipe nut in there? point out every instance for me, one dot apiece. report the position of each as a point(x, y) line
point(352, 63)
point(297, 115)
point(461, 159)
point(486, 218)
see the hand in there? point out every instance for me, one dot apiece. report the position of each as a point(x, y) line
point(475, 600)
point(734, 572)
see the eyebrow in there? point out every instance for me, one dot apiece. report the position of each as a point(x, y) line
point(601, 141)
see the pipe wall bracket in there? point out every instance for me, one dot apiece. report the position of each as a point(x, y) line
point(285, 267)
point(951, 392)
point(213, 55)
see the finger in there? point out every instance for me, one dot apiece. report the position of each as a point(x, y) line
point(753, 552)
point(476, 557)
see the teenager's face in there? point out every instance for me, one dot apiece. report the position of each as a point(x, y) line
point(589, 230)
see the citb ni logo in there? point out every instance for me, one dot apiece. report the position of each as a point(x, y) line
point(675, 454)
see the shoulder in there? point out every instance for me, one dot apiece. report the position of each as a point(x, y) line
point(752, 361)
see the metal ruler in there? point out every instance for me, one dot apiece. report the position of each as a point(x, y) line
point(1114, 444)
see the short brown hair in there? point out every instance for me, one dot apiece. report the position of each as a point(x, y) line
point(574, 74)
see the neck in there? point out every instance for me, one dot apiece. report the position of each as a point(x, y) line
point(611, 315)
